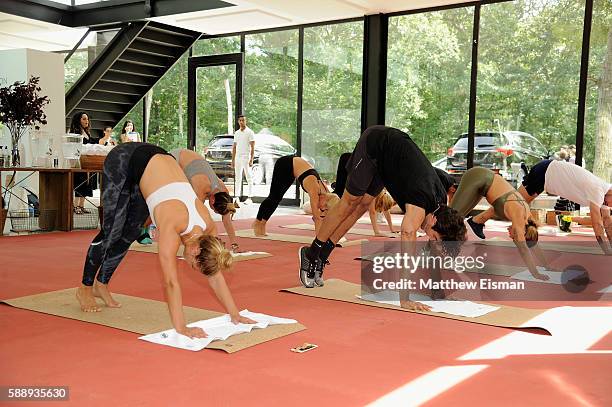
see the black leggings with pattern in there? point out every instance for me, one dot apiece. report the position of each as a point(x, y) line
point(125, 212)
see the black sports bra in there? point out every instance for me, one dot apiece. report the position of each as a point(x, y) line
point(308, 172)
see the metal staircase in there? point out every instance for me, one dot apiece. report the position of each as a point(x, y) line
point(135, 59)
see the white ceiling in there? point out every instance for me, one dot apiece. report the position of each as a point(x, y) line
point(262, 14)
point(19, 32)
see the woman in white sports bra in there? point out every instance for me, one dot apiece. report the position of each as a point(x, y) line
point(137, 176)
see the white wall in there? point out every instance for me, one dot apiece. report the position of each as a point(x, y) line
point(19, 65)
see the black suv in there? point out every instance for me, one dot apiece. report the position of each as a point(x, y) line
point(268, 149)
point(505, 153)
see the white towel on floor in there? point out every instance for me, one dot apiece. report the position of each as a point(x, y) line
point(555, 277)
point(241, 254)
point(467, 309)
point(219, 328)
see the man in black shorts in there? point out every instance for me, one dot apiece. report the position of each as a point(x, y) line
point(384, 157)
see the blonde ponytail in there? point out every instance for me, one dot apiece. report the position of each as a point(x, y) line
point(213, 256)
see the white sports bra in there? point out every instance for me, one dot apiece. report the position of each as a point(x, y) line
point(181, 191)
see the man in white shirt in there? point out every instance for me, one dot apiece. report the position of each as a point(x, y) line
point(572, 182)
point(243, 152)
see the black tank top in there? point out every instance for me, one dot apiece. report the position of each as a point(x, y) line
point(140, 159)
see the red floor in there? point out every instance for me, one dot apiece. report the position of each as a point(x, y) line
point(364, 352)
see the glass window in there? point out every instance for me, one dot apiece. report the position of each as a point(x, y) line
point(528, 75)
point(428, 78)
point(270, 101)
point(213, 46)
point(168, 114)
point(331, 118)
point(90, 48)
point(597, 154)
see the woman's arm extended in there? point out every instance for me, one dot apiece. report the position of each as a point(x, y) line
point(169, 243)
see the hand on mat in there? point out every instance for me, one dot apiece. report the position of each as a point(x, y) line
point(239, 319)
point(414, 306)
point(192, 332)
point(235, 248)
point(541, 276)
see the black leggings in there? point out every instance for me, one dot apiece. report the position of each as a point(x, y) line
point(125, 212)
point(282, 179)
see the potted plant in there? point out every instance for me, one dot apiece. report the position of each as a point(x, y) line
point(21, 106)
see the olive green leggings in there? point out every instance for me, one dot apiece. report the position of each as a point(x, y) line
point(474, 184)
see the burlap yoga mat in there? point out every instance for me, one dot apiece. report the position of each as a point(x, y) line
point(291, 238)
point(564, 248)
point(153, 248)
point(340, 290)
point(142, 316)
point(354, 231)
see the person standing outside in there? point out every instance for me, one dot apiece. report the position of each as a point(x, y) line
point(243, 153)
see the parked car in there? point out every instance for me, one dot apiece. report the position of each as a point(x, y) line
point(268, 149)
point(509, 154)
point(440, 163)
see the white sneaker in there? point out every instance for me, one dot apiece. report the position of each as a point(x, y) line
point(248, 201)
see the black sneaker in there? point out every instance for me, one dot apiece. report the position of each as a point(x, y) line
point(307, 268)
point(477, 228)
point(318, 278)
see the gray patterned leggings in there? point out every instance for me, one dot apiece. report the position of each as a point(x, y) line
point(125, 212)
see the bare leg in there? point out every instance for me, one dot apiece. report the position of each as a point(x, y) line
point(86, 299)
point(338, 214)
point(354, 215)
point(372, 213)
point(259, 227)
point(482, 217)
point(101, 291)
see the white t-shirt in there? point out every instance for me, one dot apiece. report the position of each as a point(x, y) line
point(575, 183)
point(242, 139)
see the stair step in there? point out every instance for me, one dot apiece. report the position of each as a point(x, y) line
point(122, 77)
point(146, 60)
point(118, 98)
point(134, 69)
point(155, 49)
point(153, 26)
point(97, 106)
point(163, 39)
point(119, 88)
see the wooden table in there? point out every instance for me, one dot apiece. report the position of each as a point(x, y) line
point(56, 187)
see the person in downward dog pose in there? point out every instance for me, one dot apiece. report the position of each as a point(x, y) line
point(286, 170)
point(508, 204)
point(142, 179)
point(207, 185)
point(385, 157)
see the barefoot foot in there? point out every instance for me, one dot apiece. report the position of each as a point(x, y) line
point(259, 228)
point(101, 291)
point(86, 299)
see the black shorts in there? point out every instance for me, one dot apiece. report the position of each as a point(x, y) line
point(534, 181)
point(363, 176)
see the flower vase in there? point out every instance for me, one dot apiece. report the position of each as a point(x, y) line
point(15, 155)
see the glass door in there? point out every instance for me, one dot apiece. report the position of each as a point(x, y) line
point(215, 102)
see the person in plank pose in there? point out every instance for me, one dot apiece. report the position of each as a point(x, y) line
point(569, 181)
point(141, 179)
